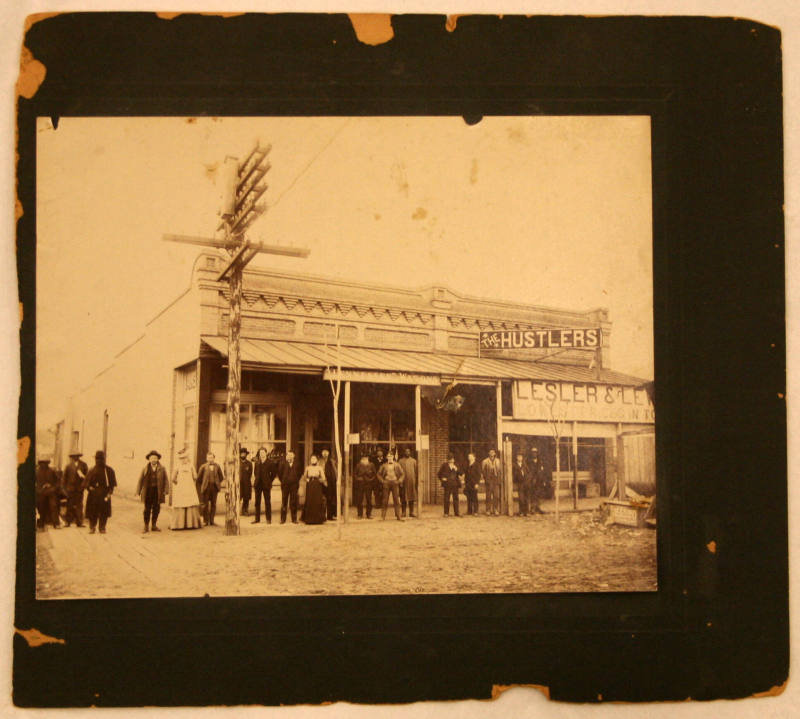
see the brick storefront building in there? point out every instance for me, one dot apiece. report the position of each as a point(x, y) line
point(411, 369)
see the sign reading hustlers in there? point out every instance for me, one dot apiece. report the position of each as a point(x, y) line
point(586, 338)
point(581, 402)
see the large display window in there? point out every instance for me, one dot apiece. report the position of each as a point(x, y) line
point(260, 425)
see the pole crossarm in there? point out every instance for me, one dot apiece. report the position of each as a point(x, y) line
point(234, 244)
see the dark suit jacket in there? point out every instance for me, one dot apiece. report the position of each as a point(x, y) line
point(206, 476)
point(161, 481)
point(521, 475)
point(71, 481)
point(263, 472)
point(538, 474)
point(473, 476)
point(330, 476)
point(449, 477)
point(289, 475)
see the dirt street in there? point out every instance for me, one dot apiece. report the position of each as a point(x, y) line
point(432, 555)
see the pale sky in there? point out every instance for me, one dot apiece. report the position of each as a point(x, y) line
point(547, 210)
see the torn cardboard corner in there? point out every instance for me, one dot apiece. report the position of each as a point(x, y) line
point(498, 689)
point(31, 74)
point(35, 638)
point(23, 447)
point(372, 28)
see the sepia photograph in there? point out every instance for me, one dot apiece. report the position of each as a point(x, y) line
point(344, 355)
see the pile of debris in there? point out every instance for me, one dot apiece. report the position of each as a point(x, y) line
point(631, 510)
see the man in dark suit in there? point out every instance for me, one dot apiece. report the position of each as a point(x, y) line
point(289, 476)
point(74, 476)
point(538, 475)
point(330, 488)
point(472, 478)
point(152, 488)
point(363, 476)
point(264, 474)
point(377, 485)
point(100, 483)
point(245, 479)
point(449, 477)
point(210, 478)
point(522, 478)
point(47, 494)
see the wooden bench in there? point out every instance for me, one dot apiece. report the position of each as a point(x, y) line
point(562, 481)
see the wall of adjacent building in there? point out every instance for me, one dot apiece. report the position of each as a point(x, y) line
point(137, 393)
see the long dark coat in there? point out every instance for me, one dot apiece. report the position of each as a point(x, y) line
point(538, 475)
point(245, 479)
point(100, 483)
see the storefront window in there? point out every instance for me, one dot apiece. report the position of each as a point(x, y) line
point(259, 426)
point(188, 429)
point(472, 432)
point(373, 426)
point(385, 429)
point(402, 426)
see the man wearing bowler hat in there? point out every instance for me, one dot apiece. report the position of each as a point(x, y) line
point(72, 481)
point(151, 488)
point(245, 479)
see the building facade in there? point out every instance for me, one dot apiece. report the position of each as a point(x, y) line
point(414, 374)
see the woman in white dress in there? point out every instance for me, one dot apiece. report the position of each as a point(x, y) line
point(185, 504)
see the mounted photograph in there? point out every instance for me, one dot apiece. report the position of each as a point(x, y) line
point(344, 355)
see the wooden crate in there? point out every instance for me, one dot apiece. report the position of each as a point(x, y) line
point(626, 514)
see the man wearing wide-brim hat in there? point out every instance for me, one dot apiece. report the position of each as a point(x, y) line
point(46, 494)
point(100, 483)
point(74, 476)
point(245, 479)
point(152, 488)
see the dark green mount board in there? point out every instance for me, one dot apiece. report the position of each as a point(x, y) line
point(718, 625)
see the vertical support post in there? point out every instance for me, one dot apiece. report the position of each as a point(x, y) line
point(418, 445)
point(508, 467)
point(574, 465)
point(234, 395)
point(622, 494)
point(615, 455)
point(348, 486)
point(505, 494)
point(308, 437)
point(558, 470)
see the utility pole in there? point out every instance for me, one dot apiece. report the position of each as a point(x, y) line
point(244, 187)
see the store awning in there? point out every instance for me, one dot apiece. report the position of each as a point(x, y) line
point(363, 364)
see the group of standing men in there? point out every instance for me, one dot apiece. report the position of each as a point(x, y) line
point(98, 483)
point(528, 475)
point(384, 478)
point(376, 480)
point(258, 477)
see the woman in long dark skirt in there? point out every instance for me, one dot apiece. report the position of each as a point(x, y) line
point(313, 480)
